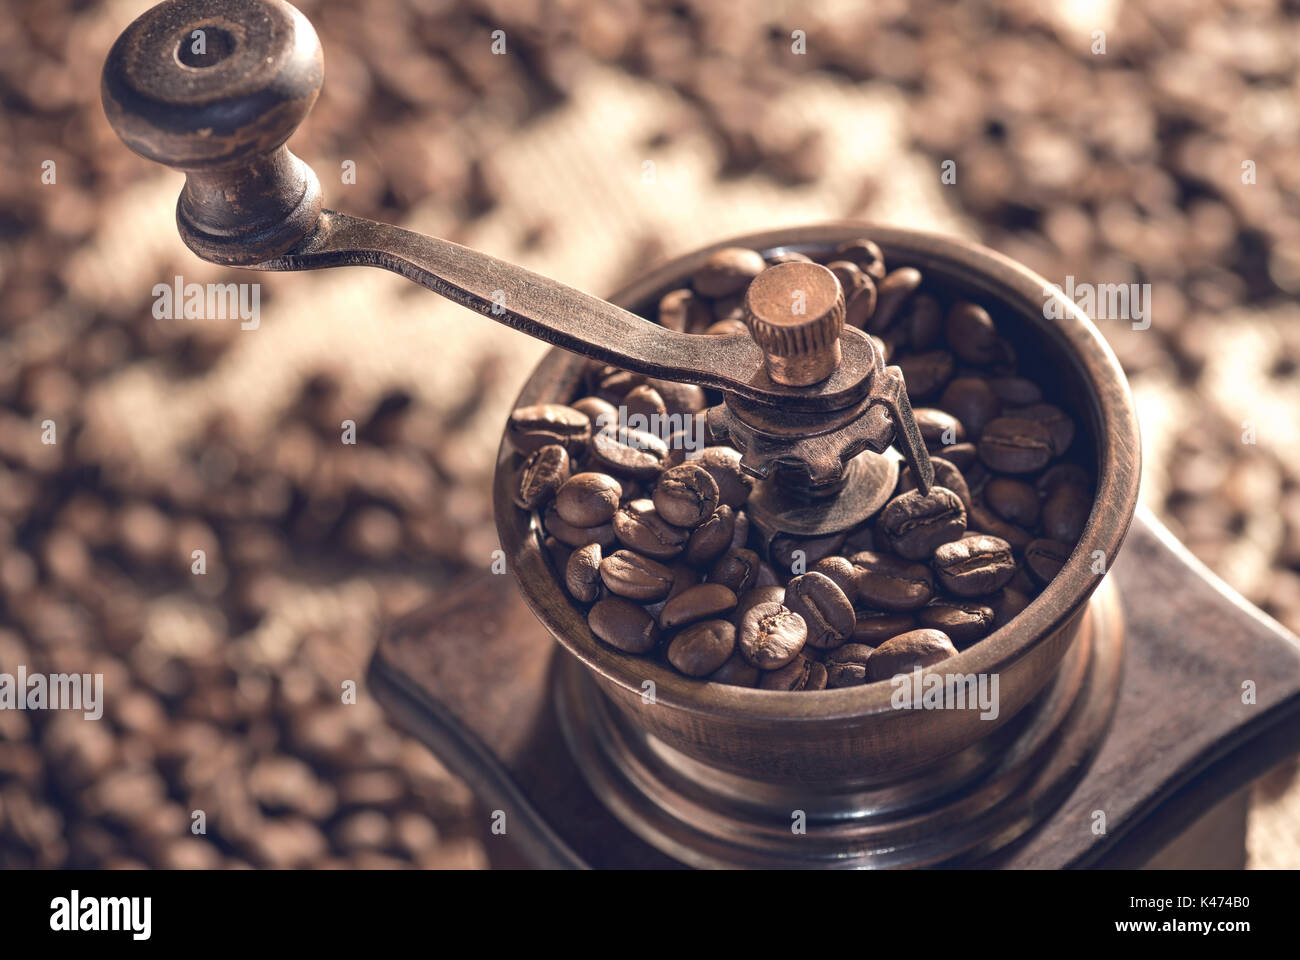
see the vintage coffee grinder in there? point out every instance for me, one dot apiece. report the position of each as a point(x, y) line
point(1119, 685)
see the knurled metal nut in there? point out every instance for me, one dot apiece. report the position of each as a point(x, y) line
point(776, 296)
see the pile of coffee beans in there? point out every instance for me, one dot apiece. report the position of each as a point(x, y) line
point(648, 532)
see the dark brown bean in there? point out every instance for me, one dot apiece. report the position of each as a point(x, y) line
point(1015, 445)
point(588, 499)
point(964, 621)
point(925, 374)
point(946, 475)
point(631, 575)
point(770, 594)
point(704, 601)
point(703, 647)
point(712, 538)
point(873, 629)
point(1058, 423)
point(939, 429)
point(623, 625)
point(573, 536)
point(972, 401)
point(582, 573)
point(628, 453)
point(892, 294)
point(906, 652)
point(862, 304)
point(841, 572)
point(727, 272)
point(799, 674)
point(644, 401)
point(983, 520)
point(975, 566)
point(540, 424)
point(892, 583)
point(847, 666)
point(723, 463)
point(1061, 473)
point(827, 613)
point(866, 254)
point(915, 525)
point(1016, 391)
point(1045, 558)
point(771, 635)
point(638, 526)
point(923, 322)
point(737, 569)
point(683, 311)
point(686, 495)
point(963, 456)
point(602, 414)
point(736, 672)
point(1006, 604)
point(972, 335)
point(543, 473)
point(1065, 512)
point(1013, 500)
point(797, 555)
point(681, 398)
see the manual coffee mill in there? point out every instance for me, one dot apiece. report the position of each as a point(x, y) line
point(1123, 736)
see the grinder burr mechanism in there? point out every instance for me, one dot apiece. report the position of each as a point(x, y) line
point(809, 403)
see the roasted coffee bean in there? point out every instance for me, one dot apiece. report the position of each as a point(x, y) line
point(922, 323)
point(540, 424)
point(730, 307)
point(873, 629)
point(939, 429)
point(602, 414)
point(684, 577)
point(704, 601)
point(841, 572)
point(681, 398)
point(963, 456)
point(588, 499)
point(686, 495)
point(623, 625)
point(850, 277)
point(946, 475)
point(703, 647)
point(1065, 512)
point(1006, 604)
point(1016, 391)
point(727, 271)
point(906, 652)
point(799, 674)
point(613, 384)
point(558, 552)
point(767, 575)
point(964, 621)
point(723, 464)
point(1015, 445)
point(975, 566)
point(684, 312)
point(638, 526)
point(790, 553)
point(1013, 500)
point(981, 519)
point(827, 613)
point(866, 255)
point(628, 453)
point(646, 402)
point(926, 374)
point(892, 294)
point(862, 305)
point(573, 536)
point(863, 538)
point(712, 538)
point(1058, 423)
point(972, 335)
point(752, 598)
point(736, 672)
point(972, 401)
point(787, 256)
point(915, 525)
point(1045, 558)
point(737, 569)
point(543, 473)
point(771, 635)
point(731, 327)
point(1060, 473)
point(891, 583)
point(847, 666)
point(631, 575)
point(582, 573)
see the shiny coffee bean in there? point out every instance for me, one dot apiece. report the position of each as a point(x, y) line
point(981, 519)
point(963, 456)
point(850, 277)
point(1065, 512)
point(915, 525)
point(1006, 604)
point(939, 429)
point(712, 538)
point(736, 672)
point(544, 471)
point(540, 424)
point(573, 536)
point(1015, 391)
point(1058, 423)
point(926, 373)
point(638, 526)
point(891, 583)
point(892, 294)
point(904, 653)
point(737, 569)
point(628, 453)
point(1013, 500)
point(964, 621)
point(840, 571)
point(866, 254)
point(922, 324)
point(799, 674)
point(723, 464)
point(752, 598)
point(1062, 473)
point(861, 307)
point(972, 335)
point(787, 256)
point(705, 601)
point(644, 401)
point(1045, 558)
point(791, 554)
point(727, 272)
point(771, 635)
point(946, 475)
point(588, 499)
point(635, 577)
point(847, 666)
point(602, 414)
point(683, 311)
point(826, 611)
point(703, 647)
point(1015, 445)
point(972, 401)
point(741, 535)
point(623, 625)
point(681, 398)
point(582, 573)
point(686, 495)
point(872, 629)
point(975, 566)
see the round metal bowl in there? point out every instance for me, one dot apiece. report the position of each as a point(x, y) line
point(855, 737)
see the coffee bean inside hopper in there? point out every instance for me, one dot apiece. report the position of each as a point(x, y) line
point(686, 495)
